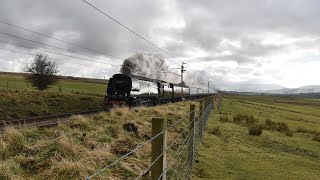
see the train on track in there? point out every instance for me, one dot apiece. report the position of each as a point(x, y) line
point(132, 90)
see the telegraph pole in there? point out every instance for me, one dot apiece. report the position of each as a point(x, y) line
point(208, 87)
point(182, 70)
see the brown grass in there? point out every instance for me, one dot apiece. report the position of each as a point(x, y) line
point(10, 169)
point(85, 144)
point(14, 139)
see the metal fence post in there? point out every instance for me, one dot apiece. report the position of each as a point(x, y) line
point(192, 133)
point(158, 147)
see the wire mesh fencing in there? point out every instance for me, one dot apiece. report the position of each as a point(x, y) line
point(171, 150)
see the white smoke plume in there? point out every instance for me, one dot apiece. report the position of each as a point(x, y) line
point(154, 66)
point(146, 65)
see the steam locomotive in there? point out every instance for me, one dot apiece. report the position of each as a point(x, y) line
point(132, 90)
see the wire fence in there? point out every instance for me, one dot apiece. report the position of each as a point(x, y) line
point(174, 148)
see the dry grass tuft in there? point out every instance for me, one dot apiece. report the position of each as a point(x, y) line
point(4, 152)
point(80, 122)
point(120, 111)
point(68, 145)
point(100, 155)
point(14, 139)
point(10, 169)
point(66, 169)
point(122, 147)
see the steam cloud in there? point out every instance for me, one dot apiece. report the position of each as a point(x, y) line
point(146, 65)
point(154, 66)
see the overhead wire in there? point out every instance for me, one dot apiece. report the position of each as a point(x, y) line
point(66, 61)
point(25, 39)
point(130, 30)
point(6, 42)
point(45, 35)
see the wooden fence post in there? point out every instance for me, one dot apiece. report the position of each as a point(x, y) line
point(7, 84)
point(192, 134)
point(200, 120)
point(201, 108)
point(158, 147)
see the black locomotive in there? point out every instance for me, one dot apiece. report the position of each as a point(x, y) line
point(132, 90)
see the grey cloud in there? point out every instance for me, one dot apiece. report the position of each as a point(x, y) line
point(208, 24)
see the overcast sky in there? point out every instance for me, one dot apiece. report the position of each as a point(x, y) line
point(235, 44)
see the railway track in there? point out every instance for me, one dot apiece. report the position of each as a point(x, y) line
point(44, 121)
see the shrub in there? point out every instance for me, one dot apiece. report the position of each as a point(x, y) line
point(278, 126)
point(224, 118)
point(282, 127)
point(255, 130)
point(305, 130)
point(270, 125)
point(216, 131)
point(316, 137)
point(289, 133)
point(244, 118)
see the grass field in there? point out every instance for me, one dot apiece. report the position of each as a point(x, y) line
point(67, 86)
point(288, 148)
point(28, 103)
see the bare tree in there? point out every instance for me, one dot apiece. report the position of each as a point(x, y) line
point(42, 72)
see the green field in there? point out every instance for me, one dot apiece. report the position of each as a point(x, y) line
point(288, 148)
point(66, 86)
point(27, 103)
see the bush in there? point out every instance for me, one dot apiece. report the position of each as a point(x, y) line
point(270, 125)
point(216, 131)
point(305, 130)
point(282, 127)
point(244, 118)
point(224, 118)
point(278, 126)
point(255, 130)
point(289, 133)
point(316, 137)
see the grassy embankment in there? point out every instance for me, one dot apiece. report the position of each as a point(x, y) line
point(85, 144)
point(27, 103)
point(18, 99)
point(288, 148)
point(79, 86)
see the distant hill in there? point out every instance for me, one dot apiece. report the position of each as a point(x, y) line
point(300, 90)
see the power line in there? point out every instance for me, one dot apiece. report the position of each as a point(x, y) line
point(50, 58)
point(35, 32)
point(6, 42)
point(132, 31)
point(25, 39)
